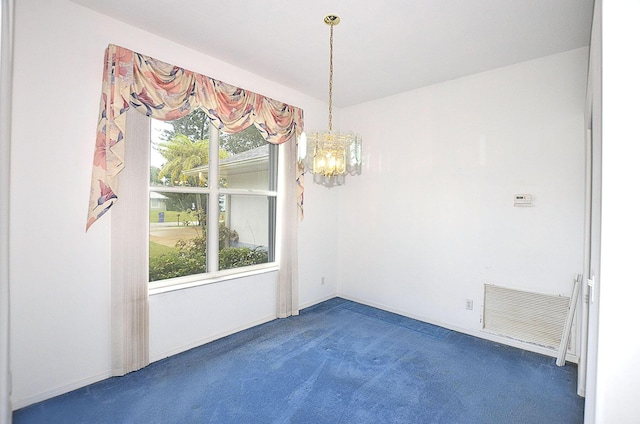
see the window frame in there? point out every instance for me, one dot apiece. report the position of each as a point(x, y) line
point(213, 274)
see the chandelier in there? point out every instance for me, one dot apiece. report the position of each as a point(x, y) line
point(330, 155)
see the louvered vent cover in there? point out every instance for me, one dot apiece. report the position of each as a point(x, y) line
point(529, 317)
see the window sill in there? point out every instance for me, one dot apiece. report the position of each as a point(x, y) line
point(159, 287)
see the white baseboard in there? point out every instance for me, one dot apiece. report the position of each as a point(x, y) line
point(476, 333)
point(316, 301)
point(162, 355)
point(17, 403)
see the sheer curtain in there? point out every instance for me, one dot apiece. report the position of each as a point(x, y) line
point(167, 92)
point(129, 257)
point(288, 243)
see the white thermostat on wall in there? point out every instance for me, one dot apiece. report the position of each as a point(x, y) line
point(522, 200)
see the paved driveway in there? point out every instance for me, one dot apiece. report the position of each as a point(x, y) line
point(168, 235)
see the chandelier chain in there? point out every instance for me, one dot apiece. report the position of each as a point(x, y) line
point(331, 78)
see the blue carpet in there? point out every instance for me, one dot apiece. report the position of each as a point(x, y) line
point(338, 362)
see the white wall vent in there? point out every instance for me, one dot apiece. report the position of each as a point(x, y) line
point(525, 316)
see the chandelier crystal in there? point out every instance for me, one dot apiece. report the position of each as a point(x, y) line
point(330, 155)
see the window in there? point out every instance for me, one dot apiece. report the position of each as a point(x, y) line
point(187, 158)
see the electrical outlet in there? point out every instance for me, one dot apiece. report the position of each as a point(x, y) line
point(469, 305)
point(322, 281)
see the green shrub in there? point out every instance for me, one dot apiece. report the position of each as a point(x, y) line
point(190, 258)
point(235, 257)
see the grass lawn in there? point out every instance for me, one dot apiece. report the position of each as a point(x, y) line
point(169, 216)
point(157, 249)
point(172, 216)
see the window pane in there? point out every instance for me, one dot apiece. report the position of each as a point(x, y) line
point(244, 160)
point(180, 151)
point(177, 235)
point(246, 222)
point(244, 231)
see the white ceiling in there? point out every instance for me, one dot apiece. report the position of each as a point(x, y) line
point(380, 47)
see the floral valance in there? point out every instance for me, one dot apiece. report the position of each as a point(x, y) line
point(168, 92)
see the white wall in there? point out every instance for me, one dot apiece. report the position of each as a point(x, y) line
point(187, 318)
point(60, 295)
point(618, 354)
point(431, 218)
point(318, 244)
point(6, 67)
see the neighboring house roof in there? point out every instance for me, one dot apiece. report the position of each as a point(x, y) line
point(158, 196)
point(249, 161)
point(258, 152)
